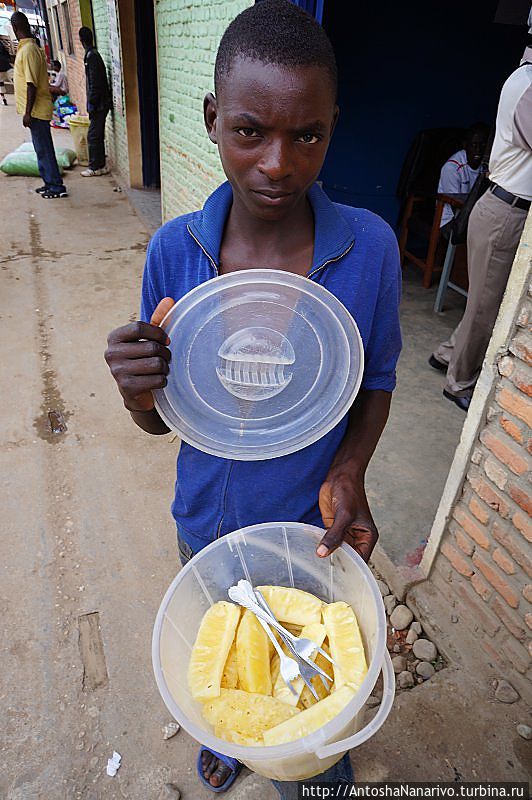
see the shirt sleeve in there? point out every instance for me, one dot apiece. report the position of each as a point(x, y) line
point(32, 66)
point(522, 127)
point(151, 294)
point(384, 343)
point(449, 179)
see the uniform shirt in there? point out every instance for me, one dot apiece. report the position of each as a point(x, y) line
point(356, 258)
point(456, 177)
point(30, 67)
point(60, 81)
point(511, 155)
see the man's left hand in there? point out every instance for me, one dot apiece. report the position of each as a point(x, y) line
point(345, 512)
point(26, 120)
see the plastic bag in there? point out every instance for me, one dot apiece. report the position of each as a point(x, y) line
point(65, 155)
point(22, 163)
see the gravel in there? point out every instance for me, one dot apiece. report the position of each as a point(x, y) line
point(505, 692)
point(411, 637)
point(399, 664)
point(169, 792)
point(525, 731)
point(405, 680)
point(424, 650)
point(170, 729)
point(383, 588)
point(425, 670)
point(389, 603)
point(401, 617)
point(416, 626)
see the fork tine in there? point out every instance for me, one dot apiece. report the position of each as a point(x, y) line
point(310, 687)
point(325, 655)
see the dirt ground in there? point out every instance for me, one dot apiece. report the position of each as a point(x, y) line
point(89, 544)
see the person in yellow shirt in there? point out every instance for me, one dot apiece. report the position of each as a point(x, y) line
point(34, 104)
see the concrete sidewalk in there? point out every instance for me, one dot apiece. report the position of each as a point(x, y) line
point(90, 545)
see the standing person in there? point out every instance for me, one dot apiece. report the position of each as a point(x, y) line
point(272, 119)
point(493, 234)
point(98, 104)
point(34, 103)
point(5, 70)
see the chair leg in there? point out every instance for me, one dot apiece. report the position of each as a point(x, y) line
point(444, 280)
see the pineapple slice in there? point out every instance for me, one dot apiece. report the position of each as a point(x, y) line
point(253, 656)
point(236, 714)
point(230, 673)
point(310, 719)
point(275, 665)
point(295, 629)
point(211, 648)
point(345, 642)
point(307, 699)
point(292, 605)
point(316, 633)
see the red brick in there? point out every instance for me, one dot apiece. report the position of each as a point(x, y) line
point(479, 510)
point(506, 365)
point(523, 525)
point(474, 612)
point(528, 620)
point(493, 654)
point(489, 495)
point(460, 564)
point(481, 587)
point(499, 583)
point(517, 654)
point(520, 346)
point(516, 404)
point(464, 542)
point(521, 497)
point(511, 428)
point(504, 535)
point(477, 533)
point(522, 380)
point(504, 561)
point(496, 472)
point(505, 450)
point(527, 592)
point(510, 619)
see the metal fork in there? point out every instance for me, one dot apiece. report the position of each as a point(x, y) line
point(288, 667)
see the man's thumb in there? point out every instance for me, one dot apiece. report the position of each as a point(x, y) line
point(162, 310)
point(334, 536)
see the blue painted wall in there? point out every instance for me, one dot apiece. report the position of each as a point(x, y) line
point(404, 67)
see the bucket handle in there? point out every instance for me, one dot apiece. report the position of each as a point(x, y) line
point(373, 726)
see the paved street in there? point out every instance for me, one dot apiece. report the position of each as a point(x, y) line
point(89, 544)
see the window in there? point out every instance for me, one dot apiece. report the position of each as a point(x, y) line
point(58, 28)
point(68, 28)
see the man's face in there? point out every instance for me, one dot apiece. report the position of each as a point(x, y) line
point(475, 150)
point(272, 125)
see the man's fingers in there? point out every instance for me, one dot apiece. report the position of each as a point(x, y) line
point(136, 331)
point(162, 310)
point(135, 350)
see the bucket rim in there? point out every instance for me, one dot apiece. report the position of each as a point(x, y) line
point(313, 740)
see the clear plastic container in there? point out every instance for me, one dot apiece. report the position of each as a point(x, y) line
point(282, 554)
point(263, 363)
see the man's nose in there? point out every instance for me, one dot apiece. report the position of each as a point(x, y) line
point(276, 161)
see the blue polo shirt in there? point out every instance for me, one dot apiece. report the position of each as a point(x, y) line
point(356, 258)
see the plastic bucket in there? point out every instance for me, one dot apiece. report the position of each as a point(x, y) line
point(79, 128)
point(282, 554)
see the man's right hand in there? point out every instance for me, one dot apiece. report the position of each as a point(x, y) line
point(138, 357)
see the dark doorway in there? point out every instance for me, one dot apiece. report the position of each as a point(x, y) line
point(148, 92)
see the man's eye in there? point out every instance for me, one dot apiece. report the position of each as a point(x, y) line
point(247, 132)
point(308, 138)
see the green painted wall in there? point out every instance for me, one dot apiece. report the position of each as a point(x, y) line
point(188, 33)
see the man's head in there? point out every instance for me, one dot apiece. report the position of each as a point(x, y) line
point(85, 37)
point(475, 144)
point(275, 105)
point(56, 65)
point(20, 25)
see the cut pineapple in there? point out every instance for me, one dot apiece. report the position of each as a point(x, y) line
point(310, 719)
point(316, 633)
point(307, 699)
point(230, 673)
point(345, 642)
point(275, 665)
point(236, 714)
point(292, 605)
point(253, 656)
point(211, 648)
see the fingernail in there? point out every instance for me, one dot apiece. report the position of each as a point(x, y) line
point(167, 340)
point(322, 550)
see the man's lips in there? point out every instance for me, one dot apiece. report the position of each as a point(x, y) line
point(272, 196)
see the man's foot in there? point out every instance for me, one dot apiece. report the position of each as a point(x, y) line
point(461, 402)
point(41, 189)
point(436, 364)
point(94, 173)
point(214, 770)
point(4, 101)
point(50, 195)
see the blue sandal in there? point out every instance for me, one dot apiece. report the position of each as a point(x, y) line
point(234, 765)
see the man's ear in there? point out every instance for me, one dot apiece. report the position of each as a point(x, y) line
point(335, 119)
point(210, 115)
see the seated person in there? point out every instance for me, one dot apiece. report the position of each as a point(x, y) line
point(59, 85)
point(460, 171)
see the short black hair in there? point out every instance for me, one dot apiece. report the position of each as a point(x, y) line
point(21, 21)
point(85, 35)
point(480, 128)
point(56, 64)
point(275, 32)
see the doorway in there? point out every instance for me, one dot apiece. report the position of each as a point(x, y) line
point(146, 48)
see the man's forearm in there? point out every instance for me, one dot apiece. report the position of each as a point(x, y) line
point(149, 421)
point(367, 419)
point(30, 97)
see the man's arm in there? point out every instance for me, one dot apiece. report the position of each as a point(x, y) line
point(31, 94)
point(93, 92)
point(343, 503)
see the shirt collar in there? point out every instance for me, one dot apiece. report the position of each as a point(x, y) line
point(23, 42)
point(332, 234)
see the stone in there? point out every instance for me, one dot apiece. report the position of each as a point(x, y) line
point(169, 792)
point(93, 763)
point(373, 701)
point(399, 664)
point(389, 603)
point(425, 670)
point(505, 692)
point(525, 731)
point(411, 637)
point(383, 588)
point(405, 680)
point(396, 648)
point(401, 617)
point(170, 730)
point(424, 650)
point(454, 618)
point(416, 627)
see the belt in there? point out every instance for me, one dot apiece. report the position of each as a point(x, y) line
point(508, 197)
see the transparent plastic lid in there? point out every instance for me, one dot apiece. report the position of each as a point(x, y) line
point(264, 363)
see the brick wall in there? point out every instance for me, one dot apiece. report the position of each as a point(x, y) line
point(188, 33)
point(74, 63)
point(484, 566)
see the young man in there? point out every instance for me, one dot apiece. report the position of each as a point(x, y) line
point(59, 85)
point(272, 119)
point(6, 71)
point(461, 170)
point(34, 103)
point(98, 105)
